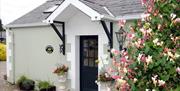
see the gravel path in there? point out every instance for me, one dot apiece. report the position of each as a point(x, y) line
point(4, 85)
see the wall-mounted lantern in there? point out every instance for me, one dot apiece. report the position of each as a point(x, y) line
point(121, 37)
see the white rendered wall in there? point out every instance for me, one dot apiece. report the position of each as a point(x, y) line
point(80, 25)
point(30, 58)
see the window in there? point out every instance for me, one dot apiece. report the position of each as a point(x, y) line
point(51, 9)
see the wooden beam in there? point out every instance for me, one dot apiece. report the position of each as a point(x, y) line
point(111, 34)
point(106, 30)
point(61, 36)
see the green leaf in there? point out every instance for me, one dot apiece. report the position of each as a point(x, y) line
point(139, 74)
point(172, 71)
point(177, 89)
point(132, 65)
point(165, 77)
point(150, 66)
point(146, 49)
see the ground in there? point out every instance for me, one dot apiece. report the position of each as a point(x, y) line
point(4, 85)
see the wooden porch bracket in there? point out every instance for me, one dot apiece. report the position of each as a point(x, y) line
point(61, 36)
point(108, 32)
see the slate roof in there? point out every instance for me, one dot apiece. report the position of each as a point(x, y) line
point(116, 7)
point(37, 15)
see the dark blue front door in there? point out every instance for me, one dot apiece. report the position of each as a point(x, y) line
point(88, 66)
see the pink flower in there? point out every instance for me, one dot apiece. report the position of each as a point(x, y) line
point(115, 52)
point(143, 58)
point(123, 59)
point(166, 50)
point(125, 53)
point(122, 23)
point(130, 36)
point(150, 6)
point(146, 37)
point(143, 2)
point(130, 71)
point(177, 20)
point(178, 70)
point(143, 30)
point(149, 9)
point(116, 77)
point(161, 82)
point(110, 70)
point(141, 41)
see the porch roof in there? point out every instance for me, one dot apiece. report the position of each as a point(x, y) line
point(116, 7)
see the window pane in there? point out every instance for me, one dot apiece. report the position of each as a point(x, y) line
point(85, 62)
point(91, 53)
point(85, 53)
point(91, 62)
point(85, 43)
point(96, 54)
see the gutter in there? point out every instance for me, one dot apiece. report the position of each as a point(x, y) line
point(126, 17)
point(27, 25)
point(131, 16)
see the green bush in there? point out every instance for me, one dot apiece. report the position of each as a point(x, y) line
point(46, 86)
point(2, 52)
point(25, 84)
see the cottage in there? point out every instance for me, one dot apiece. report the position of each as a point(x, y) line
point(72, 32)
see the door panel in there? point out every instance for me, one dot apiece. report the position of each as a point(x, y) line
point(88, 66)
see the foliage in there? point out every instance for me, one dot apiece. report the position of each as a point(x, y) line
point(21, 79)
point(61, 70)
point(2, 52)
point(44, 84)
point(152, 59)
point(25, 84)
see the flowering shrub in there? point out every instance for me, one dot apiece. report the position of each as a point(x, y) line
point(104, 77)
point(61, 70)
point(151, 61)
